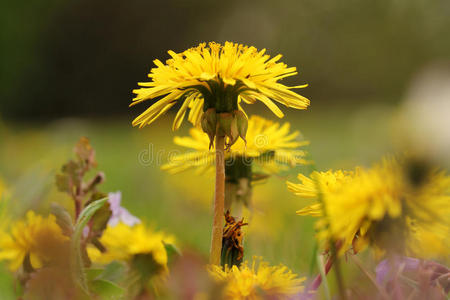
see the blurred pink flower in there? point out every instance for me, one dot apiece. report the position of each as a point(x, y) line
point(119, 213)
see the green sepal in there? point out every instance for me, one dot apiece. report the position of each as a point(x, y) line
point(209, 124)
point(242, 124)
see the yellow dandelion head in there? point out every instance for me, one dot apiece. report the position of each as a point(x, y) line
point(379, 204)
point(258, 281)
point(430, 242)
point(270, 145)
point(323, 182)
point(125, 243)
point(216, 76)
point(397, 205)
point(36, 237)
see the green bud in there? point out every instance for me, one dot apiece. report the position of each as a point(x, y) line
point(242, 124)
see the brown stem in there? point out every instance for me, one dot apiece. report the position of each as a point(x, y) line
point(219, 199)
point(78, 198)
point(77, 207)
point(318, 280)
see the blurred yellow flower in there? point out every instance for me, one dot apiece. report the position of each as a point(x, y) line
point(203, 76)
point(124, 243)
point(260, 281)
point(38, 239)
point(323, 182)
point(429, 243)
point(395, 206)
point(270, 145)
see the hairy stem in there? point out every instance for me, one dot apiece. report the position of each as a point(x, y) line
point(219, 199)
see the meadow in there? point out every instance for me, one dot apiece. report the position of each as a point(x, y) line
point(180, 204)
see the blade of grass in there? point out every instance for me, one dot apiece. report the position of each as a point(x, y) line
point(324, 276)
point(312, 264)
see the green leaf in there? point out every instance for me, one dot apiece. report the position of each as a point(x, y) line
point(106, 289)
point(93, 273)
point(100, 218)
point(172, 252)
point(114, 271)
point(76, 261)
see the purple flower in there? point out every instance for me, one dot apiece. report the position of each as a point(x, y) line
point(427, 273)
point(119, 213)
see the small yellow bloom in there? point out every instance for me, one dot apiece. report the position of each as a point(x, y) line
point(270, 146)
point(123, 243)
point(216, 76)
point(260, 281)
point(38, 237)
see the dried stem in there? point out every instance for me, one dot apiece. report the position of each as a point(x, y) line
point(219, 199)
point(318, 280)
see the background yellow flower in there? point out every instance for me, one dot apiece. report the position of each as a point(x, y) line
point(396, 206)
point(258, 281)
point(270, 146)
point(123, 243)
point(38, 238)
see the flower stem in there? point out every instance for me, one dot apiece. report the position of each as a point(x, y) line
point(219, 199)
point(318, 280)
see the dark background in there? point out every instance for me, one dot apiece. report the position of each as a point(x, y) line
point(83, 58)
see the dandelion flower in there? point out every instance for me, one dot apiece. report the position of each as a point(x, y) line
point(318, 182)
point(126, 243)
point(270, 146)
point(383, 205)
point(393, 206)
point(38, 239)
point(216, 76)
point(260, 281)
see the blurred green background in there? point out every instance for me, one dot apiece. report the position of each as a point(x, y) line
point(67, 69)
